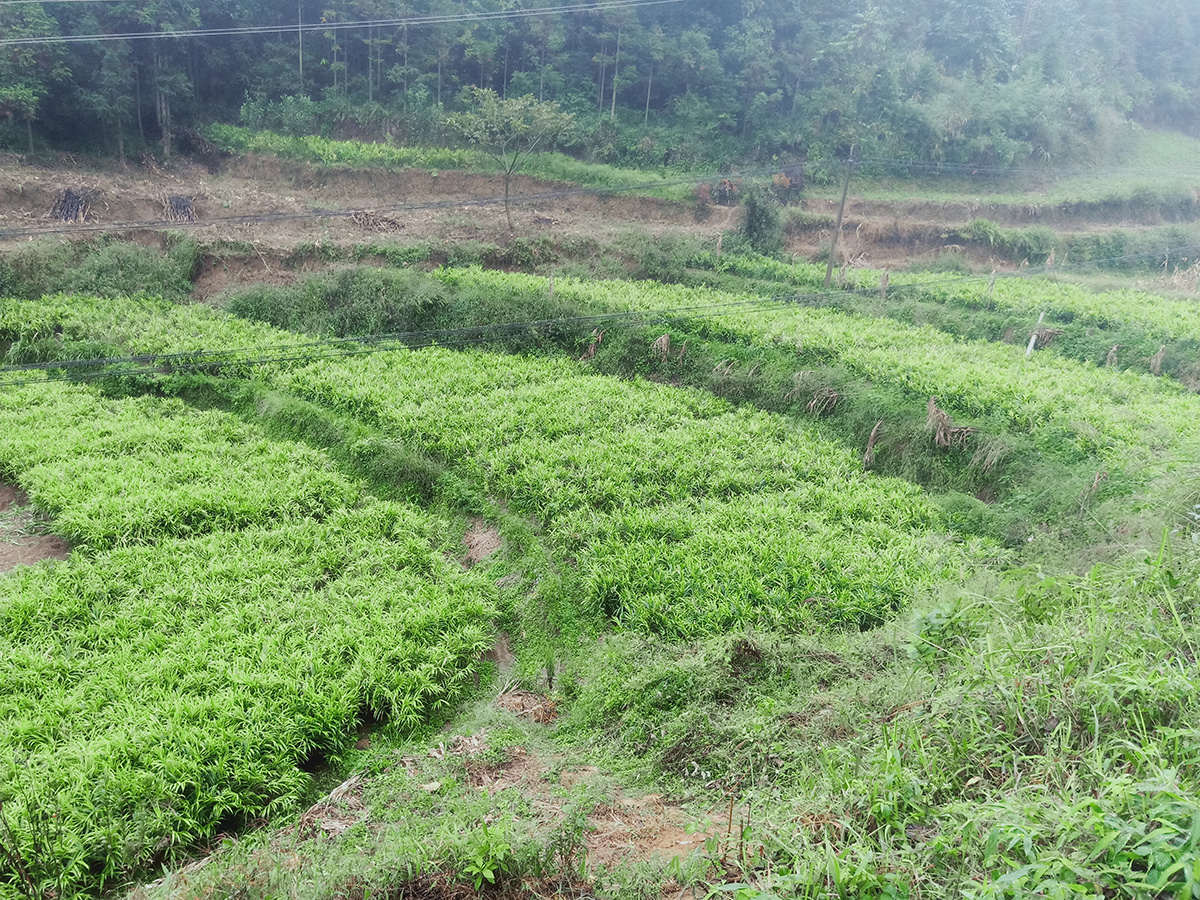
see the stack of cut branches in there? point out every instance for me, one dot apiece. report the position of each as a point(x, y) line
point(178, 208)
point(73, 206)
point(369, 221)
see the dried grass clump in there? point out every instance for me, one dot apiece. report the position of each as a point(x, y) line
point(1043, 337)
point(945, 433)
point(869, 456)
point(1156, 361)
point(528, 705)
point(1184, 279)
point(823, 401)
point(597, 339)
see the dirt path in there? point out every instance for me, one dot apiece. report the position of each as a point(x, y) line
point(22, 541)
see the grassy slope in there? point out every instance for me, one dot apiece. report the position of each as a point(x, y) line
point(1156, 169)
point(1029, 732)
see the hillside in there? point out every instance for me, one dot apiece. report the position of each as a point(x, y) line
point(364, 547)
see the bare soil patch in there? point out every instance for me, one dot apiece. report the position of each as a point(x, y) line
point(295, 194)
point(219, 274)
point(23, 541)
point(481, 541)
point(633, 829)
point(414, 206)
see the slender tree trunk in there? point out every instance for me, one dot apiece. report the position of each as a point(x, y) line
point(166, 128)
point(612, 113)
point(162, 108)
point(138, 87)
point(649, 82)
point(404, 81)
point(507, 213)
point(542, 76)
point(504, 82)
point(121, 141)
point(29, 132)
point(370, 64)
point(603, 73)
point(439, 79)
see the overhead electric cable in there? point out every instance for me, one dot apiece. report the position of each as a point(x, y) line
point(19, 2)
point(293, 27)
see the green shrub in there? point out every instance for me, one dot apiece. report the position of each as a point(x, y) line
point(106, 268)
point(762, 221)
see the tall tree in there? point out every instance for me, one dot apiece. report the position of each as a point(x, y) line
point(27, 70)
point(111, 93)
point(171, 81)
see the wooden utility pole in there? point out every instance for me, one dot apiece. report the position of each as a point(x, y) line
point(837, 228)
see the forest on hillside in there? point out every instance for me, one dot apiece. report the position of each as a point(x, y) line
point(650, 82)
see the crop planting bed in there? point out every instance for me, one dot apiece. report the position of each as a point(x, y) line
point(686, 516)
point(1120, 416)
point(232, 611)
point(236, 605)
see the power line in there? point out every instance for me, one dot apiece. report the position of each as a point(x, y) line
point(19, 2)
point(294, 27)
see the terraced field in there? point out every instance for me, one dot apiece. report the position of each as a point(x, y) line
point(910, 602)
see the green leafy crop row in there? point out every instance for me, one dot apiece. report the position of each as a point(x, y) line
point(120, 471)
point(151, 696)
point(684, 515)
point(1119, 415)
point(233, 609)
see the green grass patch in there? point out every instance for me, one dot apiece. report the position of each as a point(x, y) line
point(104, 268)
point(358, 154)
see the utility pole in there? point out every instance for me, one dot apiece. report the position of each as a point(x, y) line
point(837, 228)
point(300, 32)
